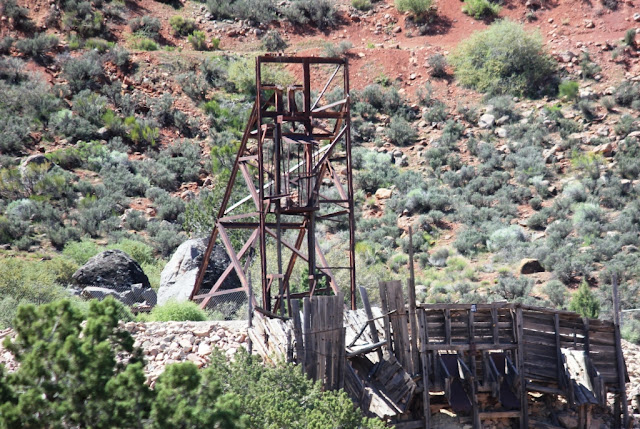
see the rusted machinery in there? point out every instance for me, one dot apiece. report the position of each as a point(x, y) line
point(295, 161)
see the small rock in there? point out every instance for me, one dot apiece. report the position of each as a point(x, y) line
point(486, 121)
point(383, 193)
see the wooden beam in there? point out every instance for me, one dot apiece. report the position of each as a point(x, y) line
point(369, 313)
point(524, 398)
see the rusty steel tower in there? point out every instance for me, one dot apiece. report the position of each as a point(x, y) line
point(295, 161)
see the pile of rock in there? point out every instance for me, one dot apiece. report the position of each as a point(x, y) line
point(164, 343)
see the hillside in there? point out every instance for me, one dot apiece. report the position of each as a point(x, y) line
point(119, 122)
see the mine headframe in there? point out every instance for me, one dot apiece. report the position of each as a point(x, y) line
point(295, 161)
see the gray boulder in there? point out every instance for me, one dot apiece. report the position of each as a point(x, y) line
point(111, 269)
point(179, 275)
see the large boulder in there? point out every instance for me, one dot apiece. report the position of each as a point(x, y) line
point(114, 273)
point(111, 269)
point(179, 275)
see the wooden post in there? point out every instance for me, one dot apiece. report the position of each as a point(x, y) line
point(619, 356)
point(297, 330)
point(472, 366)
point(385, 310)
point(369, 313)
point(412, 308)
point(424, 358)
point(524, 402)
point(308, 344)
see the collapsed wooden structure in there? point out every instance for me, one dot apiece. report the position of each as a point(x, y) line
point(479, 361)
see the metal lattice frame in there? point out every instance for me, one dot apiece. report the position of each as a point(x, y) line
point(294, 148)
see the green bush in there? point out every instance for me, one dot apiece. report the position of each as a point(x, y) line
point(144, 44)
point(584, 302)
point(19, 15)
point(362, 5)
point(182, 27)
point(256, 11)
point(588, 68)
point(83, 72)
point(198, 40)
point(146, 26)
point(37, 46)
point(339, 50)
point(504, 59)
point(568, 89)
point(400, 132)
point(177, 311)
point(480, 8)
point(438, 64)
point(273, 41)
point(320, 13)
point(140, 252)
point(557, 293)
point(81, 251)
point(419, 9)
point(78, 360)
point(512, 288)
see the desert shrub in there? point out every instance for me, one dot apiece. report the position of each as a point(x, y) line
point(556, 292)
point(568, 127)
point(83, 72)
point(194, 85)
point(214, 71)
point(165, 237)
point(5, 45)
point(587, 108)
point(242, 74)
point(18, 14)
point(198, 40)
point(125, 178)
point(400, 132)
point(626, 93)
point(182, 27)
point(146, 26)
point(568, 89)
point(608, 102)
point(469, 241)
point(419, 9)
point(588, 68)
point(584, 302)
point(436, 113)
point(141, 132)
point(144, 44)
point(167, 207)
point(121, 57)
point(337, 50)
point(480, 8)
point(629, 37)
point(81, 18)
point(37, 46)
point(438, 64)
point(319, 13)
point(625, 125)
point(505, 58)
point(135, 220)
point(183, 159)
point(256, 11)
point(81, 251)
point(513, 289)
point(506, 239)
point(362, 5)
point(374, 170)
point(630, 331)
point(140, 252)
point(273, 41)
point(29, 281)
